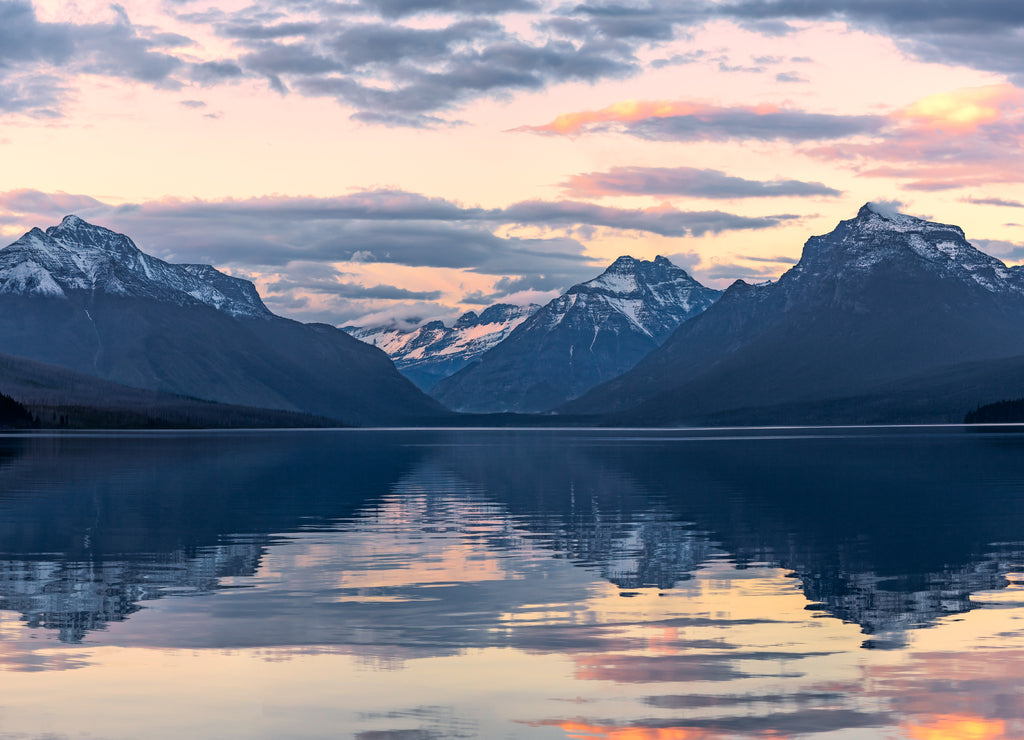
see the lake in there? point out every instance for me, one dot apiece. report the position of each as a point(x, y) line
point(410, 585)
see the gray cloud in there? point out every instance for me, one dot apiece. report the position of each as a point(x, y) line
point(727, 271)
point(993, 202)
point(402, 8)
point(256, 31)
point(689, 181)
point(507, 286)
point(679, 59)
point(214, 72)
point(779, 260)
point(1001, 248)
point(351, 290)
point(406, 75)
point(738, 123)
point(35, 96)
point(658, 20)
point(375, 43)
point(392, 71)
point(417, 92)
point(299, 240)
point(984, 34)
point(978, 15)
point(655, 221)
point(36, 57)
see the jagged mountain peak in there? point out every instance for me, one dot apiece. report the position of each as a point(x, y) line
point(629, 276)
point(76, 233)
point(881, 299)
point(432, 351)
point(467, 319)
point(590, 333)
point(625, 263)
point(881, 217)
point(77, 256)
point(880, 239)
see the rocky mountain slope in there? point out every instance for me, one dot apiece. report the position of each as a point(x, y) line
point(593, 332)
point(87, 299)
point(882, 300)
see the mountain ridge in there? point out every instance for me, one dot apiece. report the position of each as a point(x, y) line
point(881, 298)
point(592, 332)
point(88, 299)
point(433, 351)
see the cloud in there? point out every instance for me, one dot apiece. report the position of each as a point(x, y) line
point(38, 58)
point(964, 138)
point(986, 35)
point(657, 20)
point(353, 290)
point(402, 8)
point(209, 73)
point(363, 54)
point(688, 181)
point(682, 120)
point(294, 247)
point(35, 96)
point(417, 89)
point(993, 202)
point(400, 73)
point(505, 287)
point(661, 220)
point(730, 272)
point(1001, 248)
point(778, 260)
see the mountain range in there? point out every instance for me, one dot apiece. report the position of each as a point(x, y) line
point(886, 318)
point(591, 333)
point(87, 299)
point(425, 354)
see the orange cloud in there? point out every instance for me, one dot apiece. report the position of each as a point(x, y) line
point(953, 140)
point(954, 727)
point(628, 111)
point(583, 731)
point(964, 111)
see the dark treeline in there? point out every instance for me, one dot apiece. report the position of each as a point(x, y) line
point(1000, 412)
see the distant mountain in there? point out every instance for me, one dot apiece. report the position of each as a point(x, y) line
point(593, 332)
point(875, 314)
point(86, 298)
point(434, 351)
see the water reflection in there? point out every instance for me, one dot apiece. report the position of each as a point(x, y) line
point(604, 584)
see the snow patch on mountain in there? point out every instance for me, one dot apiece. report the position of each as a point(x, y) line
point(433, 350)
point(78, 256)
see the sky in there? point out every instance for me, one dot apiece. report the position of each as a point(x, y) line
point(377, 161)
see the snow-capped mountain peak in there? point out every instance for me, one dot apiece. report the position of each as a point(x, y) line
point(654, 296)
point(432, 351)
point(589, 334)
point(76, 256)
point(879, 238)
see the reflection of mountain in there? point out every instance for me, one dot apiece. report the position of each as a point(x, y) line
point(891, 531)
point(91, 527)
point(888, 530)
point(77, 597)
point(584, 510)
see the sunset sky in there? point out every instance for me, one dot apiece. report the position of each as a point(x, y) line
point(370, 160)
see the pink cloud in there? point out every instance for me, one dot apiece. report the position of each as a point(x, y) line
point(962, 138)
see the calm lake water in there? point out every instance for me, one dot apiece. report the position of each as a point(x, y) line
point(402, 585)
